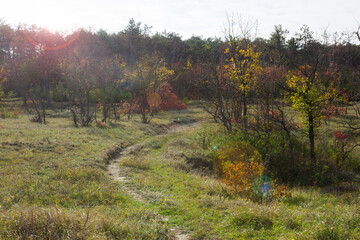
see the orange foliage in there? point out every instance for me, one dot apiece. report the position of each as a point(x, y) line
point(154, 99)
point(169, 99)
point(241, 176)
point(280, 191)
point(233, 153)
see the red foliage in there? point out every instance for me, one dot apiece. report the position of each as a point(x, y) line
point(169, 99)
point(340, 135)
point(100, 124)
point(331, 110)
point(271, 75)
point(340, 111)
point(328, 111)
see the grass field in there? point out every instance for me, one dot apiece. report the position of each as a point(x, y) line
point(203, 205)
point(53, 177)
point(54, 185)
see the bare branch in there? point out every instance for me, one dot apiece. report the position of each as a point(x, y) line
point(358, 33)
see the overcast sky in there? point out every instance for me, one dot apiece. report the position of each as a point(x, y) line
point(205, 18)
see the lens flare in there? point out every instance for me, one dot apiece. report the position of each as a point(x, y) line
point(263, 185)
point(64, 45)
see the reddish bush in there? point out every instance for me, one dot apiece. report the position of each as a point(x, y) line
point(340, 135)
point(169, 99)
point(100, 124)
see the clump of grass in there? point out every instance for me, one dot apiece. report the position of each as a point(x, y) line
point(291, 224)
point(38, 223)
point(295, 200)
point(54, 223)
point(328, 233)
point(138, 163)
point(256, 222)
point(354, 222)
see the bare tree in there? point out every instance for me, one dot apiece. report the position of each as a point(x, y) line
point(358, 33)
point(241, 28)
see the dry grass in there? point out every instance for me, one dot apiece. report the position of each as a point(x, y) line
point(203, 204)
point(53, 182)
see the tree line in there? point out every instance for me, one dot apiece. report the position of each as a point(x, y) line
point(246, 83)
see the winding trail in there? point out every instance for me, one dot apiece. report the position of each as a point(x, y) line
point(120, 173)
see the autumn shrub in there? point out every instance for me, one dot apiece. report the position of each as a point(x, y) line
point(289, 165)
point(341, 149)
point(242, 176)
point(169, 100)
point(267, 190)
point(274, 151)
point(234, 152)
point(239, 165)
point(100, 124)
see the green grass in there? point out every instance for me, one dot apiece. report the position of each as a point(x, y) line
point(53, 179)
point(53, 185)
point(199, 202)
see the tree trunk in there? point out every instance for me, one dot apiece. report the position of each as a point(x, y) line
point(245, 113)
point(312, 137)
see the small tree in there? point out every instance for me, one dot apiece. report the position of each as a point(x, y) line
point(82, 99)
point(109, 73)
point(147, 76)
point(230, 82)
point(309, 96)
point(243, 66)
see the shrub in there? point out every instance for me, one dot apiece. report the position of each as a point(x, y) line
point(241, 176)
point(60, 94)
point(267, 190)
point(342, 149)
point(169, 99)
point(235, 152)
point(100, 124)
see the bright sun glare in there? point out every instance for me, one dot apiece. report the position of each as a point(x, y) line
point(57, 25)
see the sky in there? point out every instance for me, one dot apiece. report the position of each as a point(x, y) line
point(206, 18)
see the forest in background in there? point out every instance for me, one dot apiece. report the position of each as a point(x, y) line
point(277, 90)
point(274, 152)
point(246, 83)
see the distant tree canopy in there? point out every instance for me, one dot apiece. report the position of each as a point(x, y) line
point(136, 41)
point(34, 58)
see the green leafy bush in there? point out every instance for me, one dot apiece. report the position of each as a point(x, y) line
point(60, 94)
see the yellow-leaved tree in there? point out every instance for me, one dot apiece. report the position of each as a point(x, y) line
point(243, 65)
point(309, 96)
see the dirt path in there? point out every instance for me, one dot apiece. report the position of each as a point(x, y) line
point(120, 173)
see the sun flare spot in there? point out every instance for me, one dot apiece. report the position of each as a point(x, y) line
point(47, 42)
